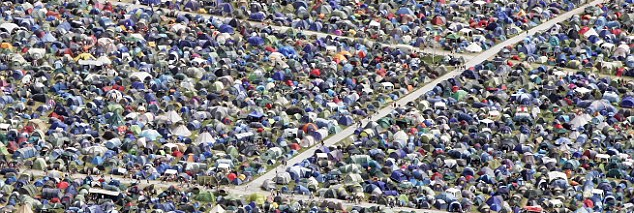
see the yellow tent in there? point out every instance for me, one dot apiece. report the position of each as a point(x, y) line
point(339, 57)
point(521, 13)
point(345, 53)
point(257, 198)
point(6, 45)
point(85, 56)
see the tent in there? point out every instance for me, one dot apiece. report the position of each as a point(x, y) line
point(205, 196)
point(627, 102)
point(473, 48)
point(25, 153)
point(345, 120)
point(257, 198)
point(282, 178)
point(40, 164)
point(495, 203)
point(217, 209)
point(24, 208)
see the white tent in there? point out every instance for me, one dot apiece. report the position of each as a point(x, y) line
point(590, 32)
point(205, 137)
point(8, 26)
point(37, 53)
point(401, 136)
point(474, 48)
point(178, 27)
point(582, 90)
point(557, 175)
point(580, 120)
point(217, 209)
point(181, 130)
point(307, 141)
point(104, 60)
point(173, 116)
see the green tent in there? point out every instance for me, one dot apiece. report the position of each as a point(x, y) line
point(232, 151)
point(404, 198)
point(3, 138)
point(205, 196)
point(453, 36)
point(40, 164)
point(360, 159)
point(385, 122)
point(334, 129)
point(29, 190)
point(257, 198)
point(116, 119)
point(4, 151)
point(459, 95)
point(117, 108)
point(7, 189)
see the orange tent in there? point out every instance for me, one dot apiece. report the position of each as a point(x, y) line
point(6, 45)
point(309, 127)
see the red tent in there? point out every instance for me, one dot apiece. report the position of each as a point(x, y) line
point(588, 203)
point(177, 153)
point(62, 185)
point(294, 146)
point(583, 30)
point(315, 73)
point(438, 20)
point(232, 176)
point(533, 209)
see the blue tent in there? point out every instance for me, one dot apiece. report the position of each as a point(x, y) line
point(398, 176)
point(495, 203)
point(257, 16)
point(627, 102)
point(48, 38)
point(299, 4)
point(255, 115)
point(404, 11)
point(226, 8)
point(278, 76)
point(151, 2)
point(345, 120)
point(225, 28)
point(597, 105)
point(316, 26)
point(137, 85)
point(301, 24)
point(113, 143)
point(256, 41)
point(193, 5)
point(301, 190)
point(287, 51)
point(398, 154)
point(25, 153)
point(97, 160)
